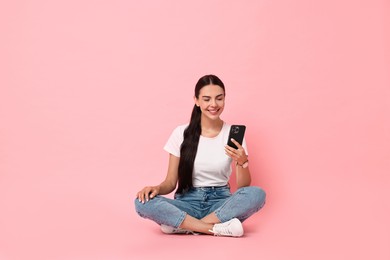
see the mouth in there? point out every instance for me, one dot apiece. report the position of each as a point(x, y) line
point(213, 111)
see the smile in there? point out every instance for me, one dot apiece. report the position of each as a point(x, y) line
point(214, 111)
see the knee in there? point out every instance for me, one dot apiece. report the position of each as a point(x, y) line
point(140, 207)
point(261, 195)
point(137, 205)
point(144, 209)
point(257, 196)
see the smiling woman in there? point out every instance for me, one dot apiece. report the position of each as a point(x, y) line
point(212, 101)
point(201, 169)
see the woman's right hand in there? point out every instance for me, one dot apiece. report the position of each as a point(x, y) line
point(149, 192)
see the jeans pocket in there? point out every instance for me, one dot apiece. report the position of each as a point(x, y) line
point(223, 193)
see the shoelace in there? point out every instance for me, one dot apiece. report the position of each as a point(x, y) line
point(222, 231)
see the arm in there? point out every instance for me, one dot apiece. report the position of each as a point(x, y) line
point(243, 175)
point(165, 187)
point(169, 184)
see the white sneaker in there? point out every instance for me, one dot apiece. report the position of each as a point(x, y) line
point(172, 230)
point(231, 228)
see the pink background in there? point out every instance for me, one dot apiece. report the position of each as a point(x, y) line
point(91, 90)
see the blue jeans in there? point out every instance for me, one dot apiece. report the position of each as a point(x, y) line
point(200, 202)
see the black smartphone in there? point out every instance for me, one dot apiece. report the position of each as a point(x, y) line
point(237, 133)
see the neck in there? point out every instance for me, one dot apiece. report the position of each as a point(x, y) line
point(211, 124)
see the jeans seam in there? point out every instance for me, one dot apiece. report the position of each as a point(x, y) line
point(219, 209)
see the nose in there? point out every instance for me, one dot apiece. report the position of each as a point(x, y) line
point(213, 103)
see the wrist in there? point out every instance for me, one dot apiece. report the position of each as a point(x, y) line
point(243, 164)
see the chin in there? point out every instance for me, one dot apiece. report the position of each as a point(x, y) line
point(214, 117)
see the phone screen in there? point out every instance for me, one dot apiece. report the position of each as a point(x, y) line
point(237, 133)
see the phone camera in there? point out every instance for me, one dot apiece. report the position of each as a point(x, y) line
point(235, 129)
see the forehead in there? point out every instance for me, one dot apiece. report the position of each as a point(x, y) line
point(211, 91)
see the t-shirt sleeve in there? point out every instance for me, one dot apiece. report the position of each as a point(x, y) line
point(245, 147)
point(174, 142)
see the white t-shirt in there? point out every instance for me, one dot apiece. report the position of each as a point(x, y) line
point(212, 167)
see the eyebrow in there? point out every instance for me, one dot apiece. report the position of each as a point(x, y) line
point(210, 97)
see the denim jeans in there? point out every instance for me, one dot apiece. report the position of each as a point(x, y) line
point(200, 202)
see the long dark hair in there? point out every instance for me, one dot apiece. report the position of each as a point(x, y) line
point(191, 135)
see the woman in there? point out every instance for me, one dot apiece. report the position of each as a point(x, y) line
point(200, 167)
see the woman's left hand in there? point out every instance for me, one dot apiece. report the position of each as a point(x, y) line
point(237, 155)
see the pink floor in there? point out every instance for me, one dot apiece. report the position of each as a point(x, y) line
point(61, 219)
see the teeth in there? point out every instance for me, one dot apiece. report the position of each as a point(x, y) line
point(213, 112)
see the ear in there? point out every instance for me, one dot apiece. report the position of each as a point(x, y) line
point(196, 101)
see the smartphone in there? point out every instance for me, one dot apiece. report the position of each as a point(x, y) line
point(237, 133)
